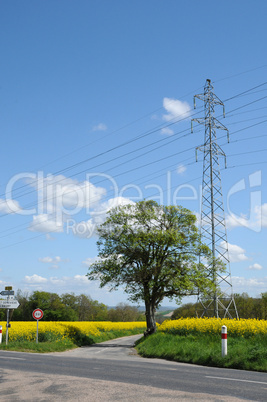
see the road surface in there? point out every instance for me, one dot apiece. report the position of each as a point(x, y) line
point(112, 371)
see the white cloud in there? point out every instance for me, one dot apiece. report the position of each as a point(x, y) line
point(82, 279)
point(100, 127)
point(79, 283)
point(252, 286)
point(234, 221)
point(89, 261)
point(167, 131)
point(9, 206)
point(83, 229)
point(59, 192)
point(236, 253)
point(54, 266)
point(255, 266)
point(256, 220)
point(181, 169)
point(87, 229)
point(105, 207)
point(34, 279)
point(46, 259)
point(261, 213)
point(60, 197)
point(175, 108)
point(45, 223)
point(57, 281)
point(99, 214)
point(50, 260)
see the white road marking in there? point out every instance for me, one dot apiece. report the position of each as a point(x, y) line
point(101, 350)
point(236, 379)
point(13, 358)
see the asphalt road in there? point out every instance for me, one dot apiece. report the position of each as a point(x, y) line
point(113, 371)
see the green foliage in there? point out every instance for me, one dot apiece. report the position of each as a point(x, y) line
point(153, 251)
point(125, 313)
point(186, 310)
point(245, 354)
point(68, 307)
point(247, 307)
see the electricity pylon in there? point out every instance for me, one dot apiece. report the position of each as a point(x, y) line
point(221, 302)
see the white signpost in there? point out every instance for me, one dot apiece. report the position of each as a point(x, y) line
point(9, 303)
point(37, 315)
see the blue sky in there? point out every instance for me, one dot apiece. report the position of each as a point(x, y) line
point(96, 99)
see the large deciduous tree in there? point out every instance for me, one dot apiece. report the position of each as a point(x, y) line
point(153, 251)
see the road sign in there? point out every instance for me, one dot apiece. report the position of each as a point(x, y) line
point(9, 303)
point(38, 314)
point(8, 288)
point(7, 292)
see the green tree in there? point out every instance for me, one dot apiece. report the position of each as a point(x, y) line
point(90, 310)
point(245, 305)
point(264, 306)
point(50, 303)
point(70, 301)
point(123, 312)
point(186, 310)
point(24, 311)
point(153, 251)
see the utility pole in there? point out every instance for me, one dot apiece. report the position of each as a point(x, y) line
point(213, 229)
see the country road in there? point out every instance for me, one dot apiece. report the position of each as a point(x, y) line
point(112, 371)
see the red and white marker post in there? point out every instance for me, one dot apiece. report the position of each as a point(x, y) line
point(1, 334)
point(37, 315)
point(224, 340)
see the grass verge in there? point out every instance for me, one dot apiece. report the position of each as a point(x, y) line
point(243, 353)
point(40, 347)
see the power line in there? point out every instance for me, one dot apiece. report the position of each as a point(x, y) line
point(241, 73)
point(136, 138)
point(172, 140)
point(142, 166)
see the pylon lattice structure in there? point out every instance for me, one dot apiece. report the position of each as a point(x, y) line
point(221, 302)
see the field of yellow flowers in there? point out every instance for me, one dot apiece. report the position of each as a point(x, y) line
point(212, 326)
point(26, 330)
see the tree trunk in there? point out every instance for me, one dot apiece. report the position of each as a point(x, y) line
point(150, 319)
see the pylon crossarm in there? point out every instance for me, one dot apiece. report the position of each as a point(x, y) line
point(200, 96)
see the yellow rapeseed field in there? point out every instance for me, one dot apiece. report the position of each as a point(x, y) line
point(26, 330)
point(242, 327)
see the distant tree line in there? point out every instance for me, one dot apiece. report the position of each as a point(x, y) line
point(69, 307)
point(247, 307)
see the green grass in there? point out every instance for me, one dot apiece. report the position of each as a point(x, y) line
point(245, 354)
point(40, 347)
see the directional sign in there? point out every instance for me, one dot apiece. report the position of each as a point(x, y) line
point(7, 292)
point(9, 304)
point(38, 314)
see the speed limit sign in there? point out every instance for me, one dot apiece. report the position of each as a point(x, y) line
point(38, 314)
